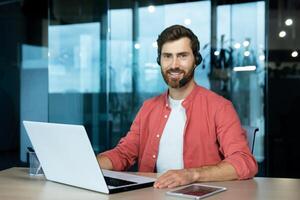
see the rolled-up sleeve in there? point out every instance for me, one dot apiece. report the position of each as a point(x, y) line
point(233, 142)
point(126, 152)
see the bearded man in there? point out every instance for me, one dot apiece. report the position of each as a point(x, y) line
point(189, 133)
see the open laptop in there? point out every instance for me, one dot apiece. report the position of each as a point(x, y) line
point(67, 157)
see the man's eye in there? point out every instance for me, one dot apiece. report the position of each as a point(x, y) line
point(166, 56)
point(182, 56)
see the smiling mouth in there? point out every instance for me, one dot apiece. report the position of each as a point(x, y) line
point(175, 75)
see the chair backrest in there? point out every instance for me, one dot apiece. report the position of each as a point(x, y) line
point(251, 132)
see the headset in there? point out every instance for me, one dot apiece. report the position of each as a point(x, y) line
point(198, 58)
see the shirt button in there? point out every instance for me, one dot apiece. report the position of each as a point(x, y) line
point(167, 105)
point(157, 135)
point(166, 116)
point(154, 156)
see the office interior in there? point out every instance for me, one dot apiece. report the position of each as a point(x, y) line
point(93, 62)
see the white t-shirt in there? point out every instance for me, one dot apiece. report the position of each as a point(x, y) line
point(170, 154)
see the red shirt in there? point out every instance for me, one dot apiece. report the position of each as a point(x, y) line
point(212, 133)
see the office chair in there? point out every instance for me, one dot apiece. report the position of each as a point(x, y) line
point(251, 132)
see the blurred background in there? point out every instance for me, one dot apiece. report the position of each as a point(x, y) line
point(93, 62)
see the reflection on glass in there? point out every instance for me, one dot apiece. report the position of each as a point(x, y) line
point(33, 92)
point(125, 57)
point(120, 50)
point(239, 70)
point(34, 57)
point(120, 61)
point(74, 57)
point(74, 78)
point(194, 15)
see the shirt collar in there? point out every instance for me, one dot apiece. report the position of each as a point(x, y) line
point(186, 101)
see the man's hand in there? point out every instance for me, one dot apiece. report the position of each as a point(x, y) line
point(223, 171)
point(104, 162)
point(174, 178)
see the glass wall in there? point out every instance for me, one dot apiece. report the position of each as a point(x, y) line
point(121, 70)
point(74, 58)
point(93, 62)
point(102, 60)
point(78, 69)
point(238, 69)
point(283, 93)
point(152, 20)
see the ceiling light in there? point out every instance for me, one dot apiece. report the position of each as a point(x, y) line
point(282, 34)
point(247, 53)
point(244, 68)
point(288, 22)
point(294, 54)
point(246, 43)
point(151, 9)
point(216, 53)
point(262, 57)
point(237, 45)
point(137, 46)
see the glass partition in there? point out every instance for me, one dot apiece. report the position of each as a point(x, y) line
point(120, 76)
point(238, 69)
point(102, 61)
point(77, 35)
point(74, 58)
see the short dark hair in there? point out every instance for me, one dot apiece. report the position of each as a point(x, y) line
point(176, 32)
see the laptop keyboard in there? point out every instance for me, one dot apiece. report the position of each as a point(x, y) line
point(117, 182)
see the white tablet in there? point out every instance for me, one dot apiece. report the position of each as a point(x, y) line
point(196, 191)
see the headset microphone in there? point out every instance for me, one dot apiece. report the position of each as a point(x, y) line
point(183, 81)
point(186, 79)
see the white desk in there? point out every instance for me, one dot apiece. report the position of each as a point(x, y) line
point(16, 184)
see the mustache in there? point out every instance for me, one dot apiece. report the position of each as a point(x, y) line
point(176, 70)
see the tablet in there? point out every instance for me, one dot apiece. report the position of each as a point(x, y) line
point(196, 191)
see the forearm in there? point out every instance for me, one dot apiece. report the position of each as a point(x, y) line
point(173, 178)
point(105, 162)
point(220, 172)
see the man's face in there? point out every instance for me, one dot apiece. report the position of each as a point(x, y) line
point(177, 62)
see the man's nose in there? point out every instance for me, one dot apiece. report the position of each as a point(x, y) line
point(175, 63)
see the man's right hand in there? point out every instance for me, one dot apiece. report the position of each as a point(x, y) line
point(104, 162)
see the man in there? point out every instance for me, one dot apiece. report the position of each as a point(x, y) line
point(189, 132)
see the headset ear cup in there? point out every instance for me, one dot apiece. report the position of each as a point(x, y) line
point(198, 59)
point(158, 59)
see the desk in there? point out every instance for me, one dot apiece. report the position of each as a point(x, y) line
point(15, 184)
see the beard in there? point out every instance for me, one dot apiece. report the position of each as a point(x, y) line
point(178, 82)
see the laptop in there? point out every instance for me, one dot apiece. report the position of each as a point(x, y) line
point(67, 157)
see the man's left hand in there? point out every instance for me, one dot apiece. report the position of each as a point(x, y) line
point(174, 178)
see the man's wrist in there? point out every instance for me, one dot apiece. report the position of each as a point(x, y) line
point(195, 174)
point(199, 174)
point(105, 162)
